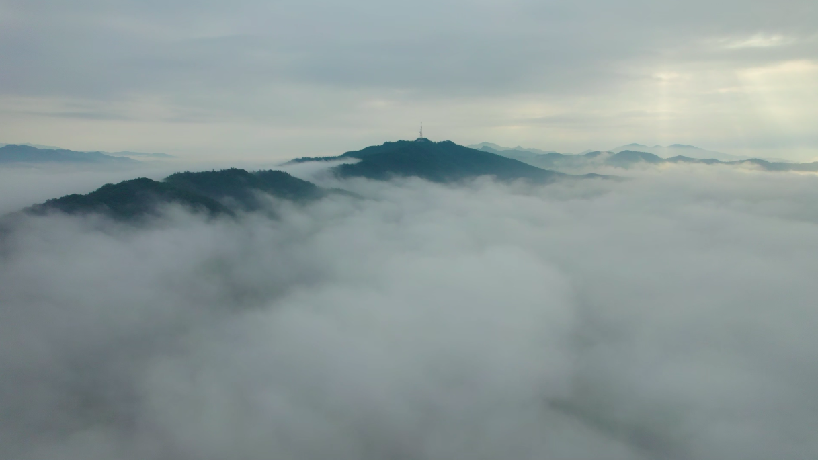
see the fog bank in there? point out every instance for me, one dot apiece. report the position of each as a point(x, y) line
point(670, 316)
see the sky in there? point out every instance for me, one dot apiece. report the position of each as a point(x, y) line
point(668, 316)
point(251, 79)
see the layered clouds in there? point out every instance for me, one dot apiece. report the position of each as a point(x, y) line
point(288, 78)
point(668, 316)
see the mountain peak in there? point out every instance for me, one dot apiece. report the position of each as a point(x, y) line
point(442, 161)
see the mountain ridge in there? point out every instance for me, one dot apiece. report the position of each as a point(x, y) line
point(31, 153)
point(627, 158)
point(442, 161)
point(223, 192)
point(14, 153)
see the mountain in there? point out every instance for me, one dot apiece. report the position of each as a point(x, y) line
point(627, 158)
point(240, 188)
point(28, 154)
point(33, 153)
point(494, 148)
point(163, 156)
point(674, 150)
point(755, 162)
point(130, 199)
point(39, 146)
point(434, 161)
point(213, 192)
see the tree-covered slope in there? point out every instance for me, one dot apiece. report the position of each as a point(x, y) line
point(129, 199)
point(437, 162)
point(434, 161)
point(213, 192)
point(242, 187)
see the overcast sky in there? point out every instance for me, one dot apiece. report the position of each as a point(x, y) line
point(276, 79)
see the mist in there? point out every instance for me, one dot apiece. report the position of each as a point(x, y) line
point(23, 184)
point(668, 316)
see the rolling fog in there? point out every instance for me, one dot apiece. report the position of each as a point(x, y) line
point(669, 316)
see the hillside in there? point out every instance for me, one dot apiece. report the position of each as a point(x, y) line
point(434, 161)
point(212, 192)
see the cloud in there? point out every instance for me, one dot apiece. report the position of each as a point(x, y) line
point(668, 316)
point(300, 76)
point(759, 41)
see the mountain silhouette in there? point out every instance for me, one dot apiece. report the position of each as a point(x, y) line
point(628, 158)
point(435, 161)
point(213, 192)
point(29, 154)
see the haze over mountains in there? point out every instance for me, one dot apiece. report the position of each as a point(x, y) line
point(232, 190)
point(416, 300)
point(675, 150)
point(27, 153)
point(636, 154)
point(600, 297)
point(434, 161)
point(658, 150)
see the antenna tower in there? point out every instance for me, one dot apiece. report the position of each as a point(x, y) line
point(421, 130)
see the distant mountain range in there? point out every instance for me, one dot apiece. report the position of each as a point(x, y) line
point(140, 154)
point(435, 161)
point(628, 158)
point(675, 150)
point(494, 148)
point(623, 158)
point(658, 150)
point(26, 153)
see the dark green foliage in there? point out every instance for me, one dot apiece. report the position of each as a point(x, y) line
point(242, 187)
point(129, 199)
point(213, 192)
point(309, 159)
point(438, 162)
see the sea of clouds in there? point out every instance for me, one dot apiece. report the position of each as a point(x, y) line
point(668, 316)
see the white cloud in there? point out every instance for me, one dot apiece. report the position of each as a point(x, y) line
point(758, 41)
point(668, 316)
point(312, 77)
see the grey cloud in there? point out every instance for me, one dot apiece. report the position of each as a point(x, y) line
point(312, 69)
point(668, 316)
point(443, 48)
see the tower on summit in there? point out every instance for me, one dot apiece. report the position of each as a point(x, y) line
point(421, 138)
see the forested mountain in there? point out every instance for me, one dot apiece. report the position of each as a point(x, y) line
point(434, 161)
point(214, 192)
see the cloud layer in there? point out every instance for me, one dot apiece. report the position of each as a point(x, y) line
point(257, 78)
point(669, 316)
